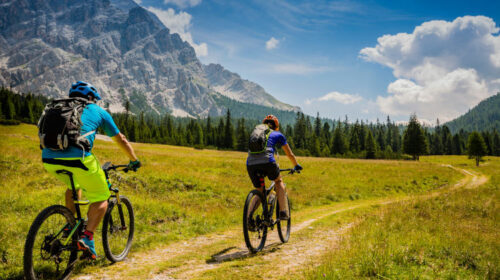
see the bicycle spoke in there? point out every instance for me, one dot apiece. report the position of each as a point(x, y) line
point(255, 223)
point(50, 257)
point(118, 231)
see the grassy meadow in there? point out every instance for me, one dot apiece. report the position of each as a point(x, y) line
point(452, 236)
point(183, 192)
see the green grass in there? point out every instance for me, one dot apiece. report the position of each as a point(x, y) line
point(182, 192)
point(452, 236)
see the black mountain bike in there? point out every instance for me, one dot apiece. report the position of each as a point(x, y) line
point(50, 251)
point(258, 217)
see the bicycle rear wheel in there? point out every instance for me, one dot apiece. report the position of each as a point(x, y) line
point(254, 229)
point(45, 255)
point(284, 226)
point(118, 229)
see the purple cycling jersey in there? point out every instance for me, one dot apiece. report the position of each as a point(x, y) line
point(276, 139)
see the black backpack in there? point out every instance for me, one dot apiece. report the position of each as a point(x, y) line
point(258, 139)
point(60, 125)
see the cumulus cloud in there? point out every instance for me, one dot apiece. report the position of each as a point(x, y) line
point(443, 68)
point(183, 3)
point(180, 23)
point(343, 98)
point(297, 69)
point(272, 43)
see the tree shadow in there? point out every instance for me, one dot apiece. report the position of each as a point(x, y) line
point(235, 253)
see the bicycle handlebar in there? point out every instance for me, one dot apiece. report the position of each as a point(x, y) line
point(290, 170)
point(109, 166)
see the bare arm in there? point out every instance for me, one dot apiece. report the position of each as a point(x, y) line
point(122, 142)
point(290, 154)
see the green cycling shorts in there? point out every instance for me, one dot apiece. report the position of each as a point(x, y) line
point(92, 181)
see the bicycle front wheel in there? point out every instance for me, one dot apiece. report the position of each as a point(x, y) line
point(284, 226)
point(46, 253)
point(118, 229)
point(254, 218)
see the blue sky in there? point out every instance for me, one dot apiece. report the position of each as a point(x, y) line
point(325, 57)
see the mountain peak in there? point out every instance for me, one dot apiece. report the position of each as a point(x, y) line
point(121, 48)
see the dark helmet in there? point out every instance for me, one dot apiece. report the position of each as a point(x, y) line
point(83, 88)
point(271, 119)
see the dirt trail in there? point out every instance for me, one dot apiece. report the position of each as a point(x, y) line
point(292, 256)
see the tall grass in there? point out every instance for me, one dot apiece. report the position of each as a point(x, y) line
point(182, 192)
point(454, 236)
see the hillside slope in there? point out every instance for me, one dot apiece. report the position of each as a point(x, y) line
point(485, 116)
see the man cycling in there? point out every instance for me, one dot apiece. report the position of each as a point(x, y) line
point(264, 164)
point(87, 173)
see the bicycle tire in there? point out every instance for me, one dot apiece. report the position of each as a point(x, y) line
point(284, 236)
point(247, 232)
point(109, 228)
point(31, 272)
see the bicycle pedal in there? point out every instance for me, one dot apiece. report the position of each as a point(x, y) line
point(86, 255)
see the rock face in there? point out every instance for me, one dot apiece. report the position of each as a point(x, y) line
point(233, 86)
point(120, 47)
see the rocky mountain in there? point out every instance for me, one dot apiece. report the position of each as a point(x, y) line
point(120, 47)
point(233, 86)
point(483, 117)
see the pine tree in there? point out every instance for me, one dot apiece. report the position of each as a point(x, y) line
point(198, 134)
point(325, 133)
point(338, 143)
point(300, 131)
point(457, 145)
point(354, 140)
point(396, 139)
point(414, 141)
point(241, 136)
point(476, 148)
point(496, 144)
point(220, 134)
point(317, 126)
point(208, 132)
point(370, 145)
point(228, 132)
point(9, 109)
point(314, 146)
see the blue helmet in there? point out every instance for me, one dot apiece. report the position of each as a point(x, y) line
point(83, 88)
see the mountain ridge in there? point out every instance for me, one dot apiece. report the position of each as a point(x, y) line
point(484, 116)
point(120, 47)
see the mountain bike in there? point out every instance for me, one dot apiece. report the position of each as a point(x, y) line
point(50, 251)
point(258, 217)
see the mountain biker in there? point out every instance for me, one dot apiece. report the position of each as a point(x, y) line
point(87, 173)
point(260, 165)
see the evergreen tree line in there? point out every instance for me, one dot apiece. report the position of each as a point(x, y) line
point(308, 136)
point(16, 108)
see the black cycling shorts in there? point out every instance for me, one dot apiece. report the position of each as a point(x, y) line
point(270, 170)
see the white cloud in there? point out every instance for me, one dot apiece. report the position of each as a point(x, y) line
point(180, 23)
point(138, 1)
point(272, 43)
point(183, 3)
point(343, 98)
point(297, 69)
point(442, 68)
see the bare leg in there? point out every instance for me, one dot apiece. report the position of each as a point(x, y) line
point(70, 204)
point(255, 202)
point(95, 214)
point(280, 191)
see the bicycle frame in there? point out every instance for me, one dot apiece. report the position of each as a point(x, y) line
point(77, 202)
point(269, 211)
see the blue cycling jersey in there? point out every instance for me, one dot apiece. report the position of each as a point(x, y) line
point(276, 139)
point(93, 117)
